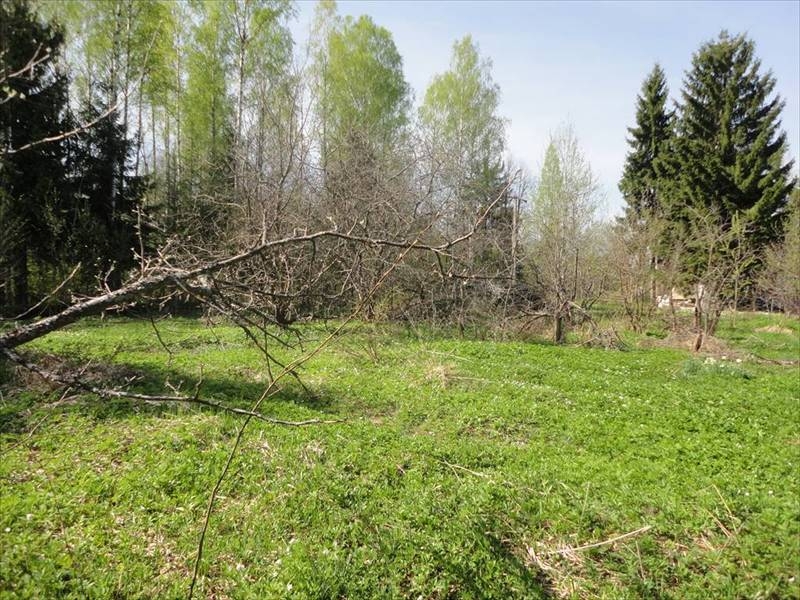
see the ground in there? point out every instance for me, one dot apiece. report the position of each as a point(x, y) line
point(461, 469)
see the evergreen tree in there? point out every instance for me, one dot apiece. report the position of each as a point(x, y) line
point(104, 198)
point(33, 105)
point(729, 154)
point(649, 140)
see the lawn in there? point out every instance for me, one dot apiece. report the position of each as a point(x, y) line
point(460, 469)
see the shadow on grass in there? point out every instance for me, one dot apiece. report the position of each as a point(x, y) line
point(15, 413)
point(534, 582)
point(25, 396)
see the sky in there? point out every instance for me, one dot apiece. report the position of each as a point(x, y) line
point(581, 63)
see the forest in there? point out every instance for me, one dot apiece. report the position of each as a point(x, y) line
point(138, 135)
point(202, 218)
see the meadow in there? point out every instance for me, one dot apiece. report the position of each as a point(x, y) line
point(447, 467)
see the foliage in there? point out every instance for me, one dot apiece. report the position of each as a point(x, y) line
point(459, 115)
point(31, 182)
point(651, 137)
point(562, 240)
point(104, 202)
point(721, 180)
point(71, 200)
point(240, 139)
point(206, 108)
point(462, 138)
point(729, 153)
point(464, 468)
point(456, 468)
point(365, 94)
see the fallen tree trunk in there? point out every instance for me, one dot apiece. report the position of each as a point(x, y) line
point(169, 279)
point(165, 277)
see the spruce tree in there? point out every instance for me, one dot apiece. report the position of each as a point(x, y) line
point(104, 197)
point(729, 155)
point(649, 140)
point(33, 106)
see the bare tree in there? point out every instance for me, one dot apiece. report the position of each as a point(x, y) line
point(635, 263)
point(724, 254)
point(779, 281)
point(560, 235)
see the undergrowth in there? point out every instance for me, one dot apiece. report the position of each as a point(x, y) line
point(463, 469)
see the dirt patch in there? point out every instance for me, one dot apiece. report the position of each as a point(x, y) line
point(105, 375)
point(100, 374)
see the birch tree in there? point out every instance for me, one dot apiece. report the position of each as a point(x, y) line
point(560, 231)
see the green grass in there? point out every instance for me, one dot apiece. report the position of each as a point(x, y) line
point(769, 336)
point(464, 469)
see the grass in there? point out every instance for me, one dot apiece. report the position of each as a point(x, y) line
point(464, 469)
point(769, 336)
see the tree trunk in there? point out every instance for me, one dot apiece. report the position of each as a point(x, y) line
point(514, 237)
point(698, 306)
point(19, 269)
point(139, 134)
point(558, 333)
point(154, 168)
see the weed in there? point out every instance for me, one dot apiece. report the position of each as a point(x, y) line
point(464, 469)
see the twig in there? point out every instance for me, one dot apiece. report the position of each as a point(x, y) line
point(211, 404)
point(65, 134)
point(158, 336)
point(773, 361)
point(171, 278)
point(725, 504)
point(465, 469)
point(89, 124)
point(271, 388)
point(35, 60)
point(406, 248)
point(55, 291)
point(290, 368)
point(624, 536)
point(724, 529)
point(75, 382)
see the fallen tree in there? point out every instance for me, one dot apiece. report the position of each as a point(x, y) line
point(164, 279)
point(158, 279)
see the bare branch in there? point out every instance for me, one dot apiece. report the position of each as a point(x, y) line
point(173, 277)
point(270, 389)
point(52, 294)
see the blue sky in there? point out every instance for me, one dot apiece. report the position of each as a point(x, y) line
point(581, 62)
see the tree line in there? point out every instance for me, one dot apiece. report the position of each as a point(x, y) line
point(710, 195)
point(136, 134)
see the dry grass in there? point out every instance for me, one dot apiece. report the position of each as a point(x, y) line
point(774, 329)
point(440, 373)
